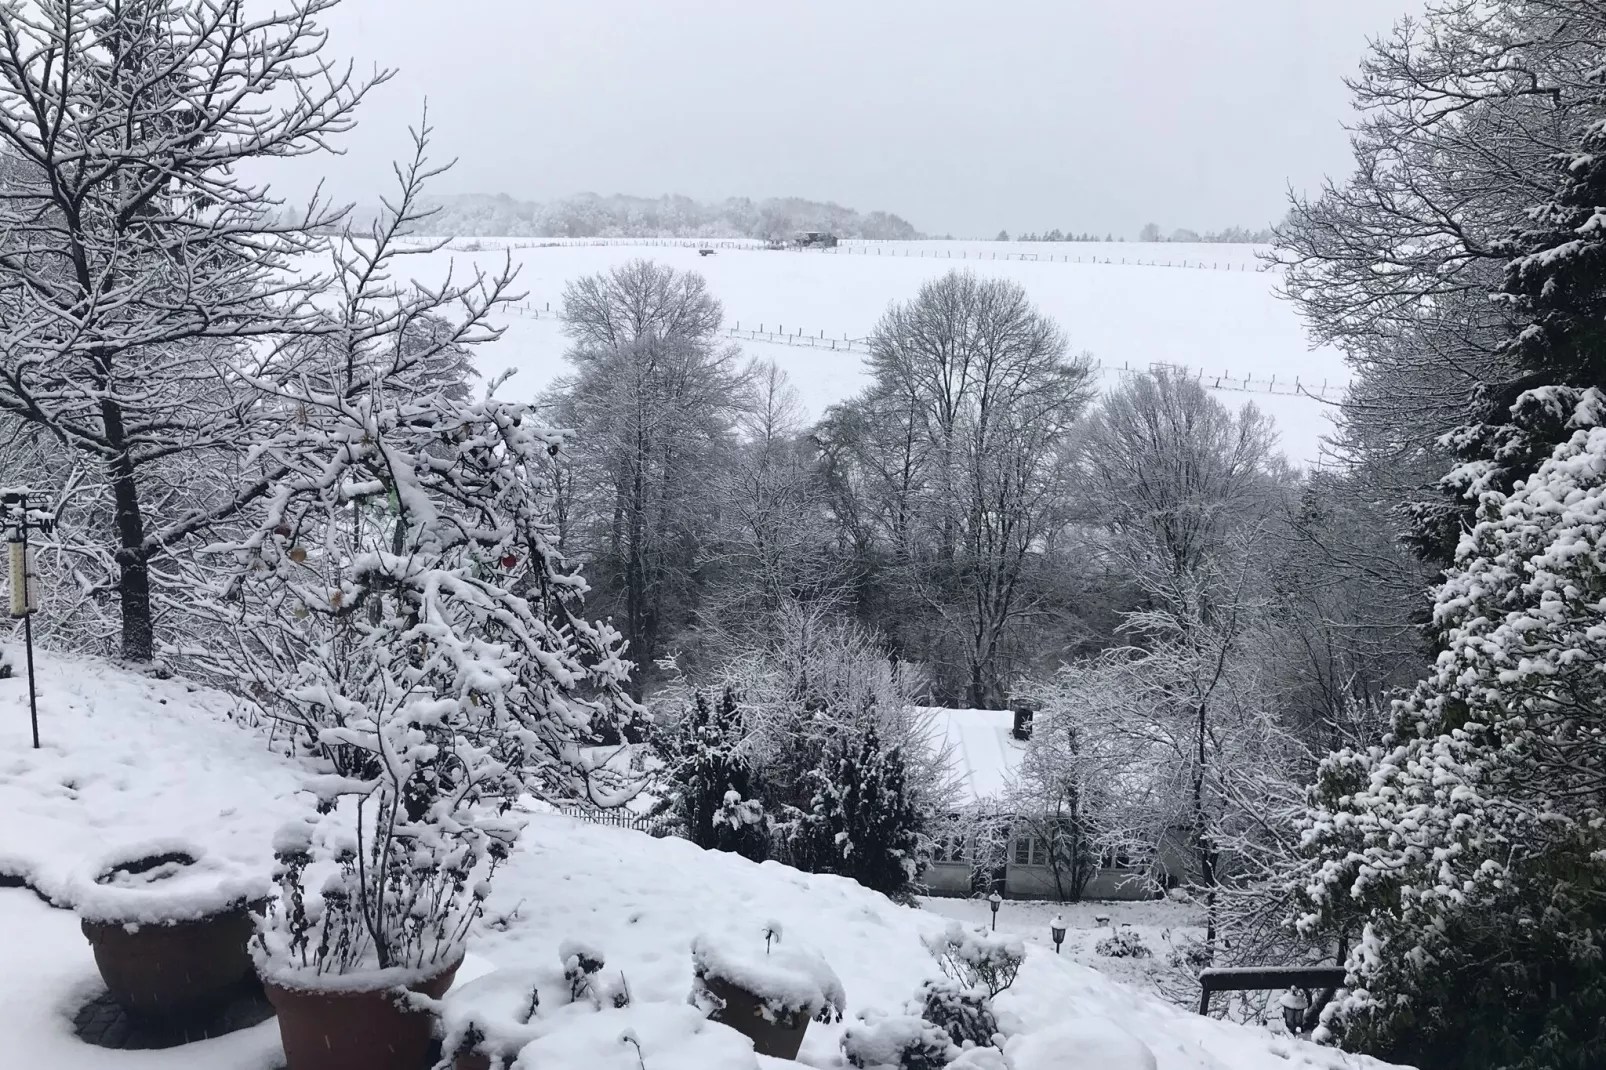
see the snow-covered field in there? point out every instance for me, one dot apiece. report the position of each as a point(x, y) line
point(1218, 315)
point(128, 759)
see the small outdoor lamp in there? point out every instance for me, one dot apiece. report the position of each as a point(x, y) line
point(1056, 929)
point(995, 901)
point(1294, 1005)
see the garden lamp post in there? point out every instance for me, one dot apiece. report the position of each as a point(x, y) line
point(23, 582)
point(1056, 929)
point(1294, 1005)
point(995, 901)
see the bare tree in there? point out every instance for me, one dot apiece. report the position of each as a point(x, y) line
point(1172, 473)
point(959, 441)
point(655, 398)
point(773, 544)
point(136, 263)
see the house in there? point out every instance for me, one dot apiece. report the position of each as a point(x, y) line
point(986, 747)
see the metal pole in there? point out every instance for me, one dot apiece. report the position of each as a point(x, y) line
point(21, 504)
point(27, 627)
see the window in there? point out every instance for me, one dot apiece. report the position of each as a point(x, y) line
point(1031, 851)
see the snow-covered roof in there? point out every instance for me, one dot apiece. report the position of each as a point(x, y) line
point(985, 754)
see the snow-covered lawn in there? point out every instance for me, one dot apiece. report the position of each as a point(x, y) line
point(130, 759)
point(1125, 315)
point(1159, 923)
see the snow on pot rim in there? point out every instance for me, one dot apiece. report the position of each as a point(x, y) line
point(787, 980)
point(275, 971)
point(162, 882)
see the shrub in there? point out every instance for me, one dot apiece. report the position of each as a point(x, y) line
point(965, 1014)
point(904, 1041)
point(1125, 944)
point(977, 957)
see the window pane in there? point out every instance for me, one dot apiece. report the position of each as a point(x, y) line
point(1023, 851)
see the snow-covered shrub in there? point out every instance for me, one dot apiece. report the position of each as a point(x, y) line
point(787, 982)
point(809, 691)
point(862, 822)
point(896, 1042)
point(1464, 860)
point(965, 1014)
point(944, 1019)
point(403, 605)
point(582, 967)
point(706, 766)
point(975, 957)
point(1125, 944)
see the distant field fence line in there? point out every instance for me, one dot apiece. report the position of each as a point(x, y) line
point(1246, 384)
point(779, 336)
point(1048, 258)
point(856, 247)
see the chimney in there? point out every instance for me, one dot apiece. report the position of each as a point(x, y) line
point(1023, 723)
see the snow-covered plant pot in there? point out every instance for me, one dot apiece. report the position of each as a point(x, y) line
point(357, 1021)
point(169, 926)
point(766, 992)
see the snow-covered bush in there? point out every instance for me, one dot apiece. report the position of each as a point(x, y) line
point(861, 822)
point(705, 765)
point(943, 1020)
point(975, 957)
point(897, 1042)
point(1125, 944)
point(1463, 862)
point(965, 1014)
point(402, 607)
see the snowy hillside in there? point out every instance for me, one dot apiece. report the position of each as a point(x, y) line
point(129, 759)
point(1204, 307)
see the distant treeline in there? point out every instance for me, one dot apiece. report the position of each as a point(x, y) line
point(588, 215)
point(1151, 233)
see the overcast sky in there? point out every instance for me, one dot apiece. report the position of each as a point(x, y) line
point(962, 117)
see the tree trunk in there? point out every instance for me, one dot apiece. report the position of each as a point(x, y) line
point(133, 564)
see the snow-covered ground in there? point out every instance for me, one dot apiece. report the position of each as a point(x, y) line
point(127, 759)
point(1159, 923)
point(1218, 316)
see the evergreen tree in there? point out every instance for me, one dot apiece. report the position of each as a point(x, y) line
point(715, 784)
point(1462, 865)
point(1555, 293)
point(862, 823)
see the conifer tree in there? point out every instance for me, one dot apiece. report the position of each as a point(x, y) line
point(1460, 868)
point(862, 823)
point(1555, 292)
point(715, 786)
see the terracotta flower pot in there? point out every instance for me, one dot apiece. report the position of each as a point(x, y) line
point(176, 970)
point(169, 927)
point(744, 1012)
point(357, 1030)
